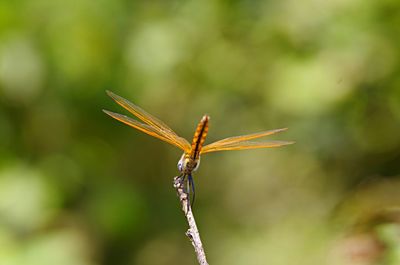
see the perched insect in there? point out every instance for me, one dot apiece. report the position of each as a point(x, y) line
point(190, 159)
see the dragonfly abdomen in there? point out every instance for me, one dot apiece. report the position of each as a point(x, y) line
point(199, 137)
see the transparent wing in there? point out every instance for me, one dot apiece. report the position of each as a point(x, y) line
point(144, 128)
point(152, 122)
point(244, 145)
point(140, 113)
point(238, 139)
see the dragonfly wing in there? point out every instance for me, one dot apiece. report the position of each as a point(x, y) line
point(150, 120)
point(146, 129)
point(242, 138)
point(140, 113)
point(243, 145)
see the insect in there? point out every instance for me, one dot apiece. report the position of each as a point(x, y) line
point(190, 159)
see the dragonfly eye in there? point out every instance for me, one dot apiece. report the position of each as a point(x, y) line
point(180, 163)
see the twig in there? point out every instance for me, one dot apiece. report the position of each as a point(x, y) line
point(192, 233)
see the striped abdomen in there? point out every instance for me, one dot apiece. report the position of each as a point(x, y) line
point(199, 137)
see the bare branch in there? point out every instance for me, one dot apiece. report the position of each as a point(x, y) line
point(192, 233)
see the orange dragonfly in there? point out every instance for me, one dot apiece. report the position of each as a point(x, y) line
point(190, 159)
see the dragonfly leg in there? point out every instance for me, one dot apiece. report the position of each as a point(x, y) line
point(191, 188)
point(182, 178)
point(188, 188)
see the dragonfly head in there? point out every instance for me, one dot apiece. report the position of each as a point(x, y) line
point(187, 165)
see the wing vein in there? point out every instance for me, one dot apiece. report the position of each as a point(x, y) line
point(155, 126)
point(245, 145)
point(243, 139)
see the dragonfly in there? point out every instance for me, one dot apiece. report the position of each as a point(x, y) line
point(190, 159)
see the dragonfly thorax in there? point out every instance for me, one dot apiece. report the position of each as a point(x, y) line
point(187, 164)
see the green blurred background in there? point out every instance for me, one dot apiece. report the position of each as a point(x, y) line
point(77, 187)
